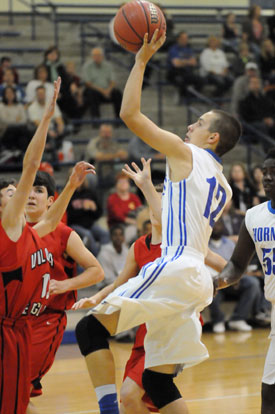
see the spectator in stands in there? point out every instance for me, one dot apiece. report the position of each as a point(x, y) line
point(247, 292)
point(13, 122)
point(271, 27)
point(214, 66)
point(122, 207)
point(8, 80)
point(241, 59)
point(258, 110)
point(40, 78)
point(100, 84)
point(56, 129)
point(66, 101)
point(232, 221)
point(113, 255)
point(182, 65)
point(230, 33)
point(105, 151)
point(241, 86)
point(83, 211)
point(253, 30)
point(75, 84)
point(244, 195)
point(5, 63)
point(267, 61)
point(257, 178)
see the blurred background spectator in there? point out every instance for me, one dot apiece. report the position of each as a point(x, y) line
point(122, 207)
point(83, 211)
point(241, 59)
point(267, 61)
point(230, 33)
point(9, 80)
point(5, 63)
point(241, 86)
point(214, 66)
point(104, 150)
point(253, 30)
point(257, 179)
point(13, 122)
point(182, 65)
point(40, 78)
point(113, 255)
point(100, 84)
point(244, 195)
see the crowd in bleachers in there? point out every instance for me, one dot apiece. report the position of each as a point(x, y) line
point(239, 65)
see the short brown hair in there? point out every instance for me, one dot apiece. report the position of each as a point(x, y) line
point(229, 129)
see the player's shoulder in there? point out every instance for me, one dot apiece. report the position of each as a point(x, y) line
point(256, 213)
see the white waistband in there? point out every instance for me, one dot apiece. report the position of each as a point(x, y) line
point(182, 250)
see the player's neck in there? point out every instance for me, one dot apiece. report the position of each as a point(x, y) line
point(34, 218)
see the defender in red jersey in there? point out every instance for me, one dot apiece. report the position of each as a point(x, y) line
point(67, 249)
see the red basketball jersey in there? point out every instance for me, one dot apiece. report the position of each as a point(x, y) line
point(63, 268)
point(25, 268)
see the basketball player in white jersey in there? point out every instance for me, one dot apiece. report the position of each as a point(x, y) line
point(169, 293)
point(258, 233)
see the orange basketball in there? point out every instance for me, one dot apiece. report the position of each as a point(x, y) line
point(133, 20)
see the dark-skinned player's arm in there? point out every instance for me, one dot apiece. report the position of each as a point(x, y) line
point(13, 219)
point(163, 141)
point(56, 211)
point(130, 269)
point(92, 274)
point(238, 262)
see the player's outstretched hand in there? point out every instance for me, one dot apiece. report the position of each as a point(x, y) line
point(80, 170)
point(58, 286)
point(140, 177)
point(49, 111)
point(149, 49)
point(85, 303)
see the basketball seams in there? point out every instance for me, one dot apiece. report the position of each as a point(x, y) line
point(131, 27)
point(127, 41)
point(146, 17)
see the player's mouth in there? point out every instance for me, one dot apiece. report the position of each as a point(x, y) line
point(31, 204)
point(187, 139)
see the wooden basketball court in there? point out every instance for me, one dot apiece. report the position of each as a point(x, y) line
point(228, 382)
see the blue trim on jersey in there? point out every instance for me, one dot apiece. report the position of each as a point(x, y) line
point(217, 158)
point(147, 281)
point(171, 210)
point(168, 218)
point(269, 206)
point(180, 211)
point(152, 279)
point(184, 213)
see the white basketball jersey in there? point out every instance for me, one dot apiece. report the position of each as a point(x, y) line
point(260, 223)
point(191, 207)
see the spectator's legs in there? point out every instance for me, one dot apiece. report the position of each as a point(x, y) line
point(250, 294)
point(88, 238)
point(215, 312)
point(92, 100)
point(116, 98)
point(101, 235)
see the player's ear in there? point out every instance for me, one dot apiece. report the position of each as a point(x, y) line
point(214, 138)
point(50, 201)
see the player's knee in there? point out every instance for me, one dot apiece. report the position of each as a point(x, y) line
point(130, 394)
point(91, 335)
point(160, 388)
point(268, 399)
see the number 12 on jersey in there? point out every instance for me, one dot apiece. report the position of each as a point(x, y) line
point(220, 195)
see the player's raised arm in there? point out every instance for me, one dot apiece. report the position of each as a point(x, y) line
point(143, 181)
point(238, 262)
point(56, 211)
point(13, 216)
point(159, 139)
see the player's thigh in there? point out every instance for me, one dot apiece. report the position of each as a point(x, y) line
point(165, 369)
point(130, 389)
point(109, 321)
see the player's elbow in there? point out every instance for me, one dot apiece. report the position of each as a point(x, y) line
point(100, 274)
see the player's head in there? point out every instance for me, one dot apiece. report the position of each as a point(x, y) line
point(269, 174)
point(7, 190)
point(216, 130)
point(117, 234)
point(146, 227)
point(41, 196)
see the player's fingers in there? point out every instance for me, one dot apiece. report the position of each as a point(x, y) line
point(154, 37)
point(128, 169)
point(135, 166)
point(145, 39)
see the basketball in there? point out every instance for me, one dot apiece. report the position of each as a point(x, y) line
point(133, 20)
